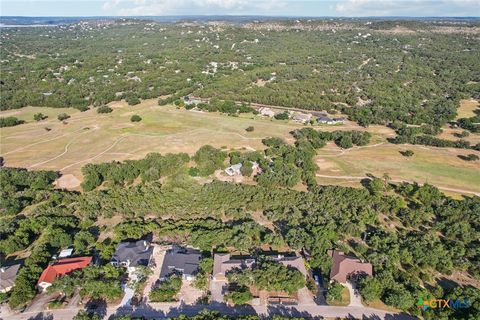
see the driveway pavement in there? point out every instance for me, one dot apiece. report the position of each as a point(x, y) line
point(127, 297)
point(216, 288)
point(355, 298)
point(305, 297)
point(157, 256)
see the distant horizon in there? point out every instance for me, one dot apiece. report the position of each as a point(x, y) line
point(241, 15)
point(266, 8)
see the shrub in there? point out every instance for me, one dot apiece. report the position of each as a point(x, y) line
point(63, 116)
point(104, 109)
point(335, 292)
point(241, 295)
point(136, 118)
point(39, 116)
point(407, 153)
point(167, 290)
point(469, 157)
point(10, 122)
point(282, 116)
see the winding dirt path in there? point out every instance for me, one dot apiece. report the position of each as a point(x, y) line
point(64, 151)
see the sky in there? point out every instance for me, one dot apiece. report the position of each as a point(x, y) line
point(311, 8)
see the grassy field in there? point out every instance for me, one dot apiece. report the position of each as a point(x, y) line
point(438, 166)
point(467, 108)
point(91, 137)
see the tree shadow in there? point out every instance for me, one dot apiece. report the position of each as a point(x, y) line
point(41, 316)
point(290, 312)
point(97, 306)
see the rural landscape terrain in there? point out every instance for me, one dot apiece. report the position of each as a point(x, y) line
point(240, 168)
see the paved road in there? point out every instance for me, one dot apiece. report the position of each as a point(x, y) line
point(163, 311)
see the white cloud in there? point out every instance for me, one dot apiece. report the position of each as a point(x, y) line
point(110, 5)
point(167, 7)
point(407, 7)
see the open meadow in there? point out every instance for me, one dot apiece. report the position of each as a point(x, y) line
point(91, 137)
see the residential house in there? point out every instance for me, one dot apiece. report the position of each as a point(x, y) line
point(131, 254)
point(293, 262)
point(234, 170)
point(301, 117)
point(65, 253)
point(339, 120)
point(180, 261)
point(346, 267)
point(8, 274)
point(223, 263)
point(266, 112)
point(328, 120)
point(324, 120)
point(60, 268)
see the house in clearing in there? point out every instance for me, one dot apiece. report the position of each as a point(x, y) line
point(234, 169)
point(180, 261)
point(60, 268)
point(223, 263)
point(324, 120)
point(327, 120)
point(8, 275)
point(131, 254)
point(301, 117)
point(266, 112)
point(346, 267)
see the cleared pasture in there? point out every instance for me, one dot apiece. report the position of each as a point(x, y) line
point(90, 137)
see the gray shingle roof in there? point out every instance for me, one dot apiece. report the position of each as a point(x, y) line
point(135, 252)
point(8, 276)
point(184, 261)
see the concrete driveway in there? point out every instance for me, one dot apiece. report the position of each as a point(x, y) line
point(355, 298)
point(157, 256)
point(305, 297)
point(216, 290)
point(38, 303)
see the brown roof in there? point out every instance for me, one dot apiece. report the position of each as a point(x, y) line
point(294, 262)
point(344, 266)
point(222, 263)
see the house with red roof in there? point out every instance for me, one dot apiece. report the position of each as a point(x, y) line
point(61, 268)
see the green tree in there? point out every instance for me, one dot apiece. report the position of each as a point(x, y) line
point(63, 116)
point(335, 292)
point(136, 118)
point(39, 116)
point(167, 290)
point(104, 109)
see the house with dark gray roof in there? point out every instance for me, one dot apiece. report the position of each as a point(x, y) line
point(132, 254)
point(181, 261)
point(8, 275)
